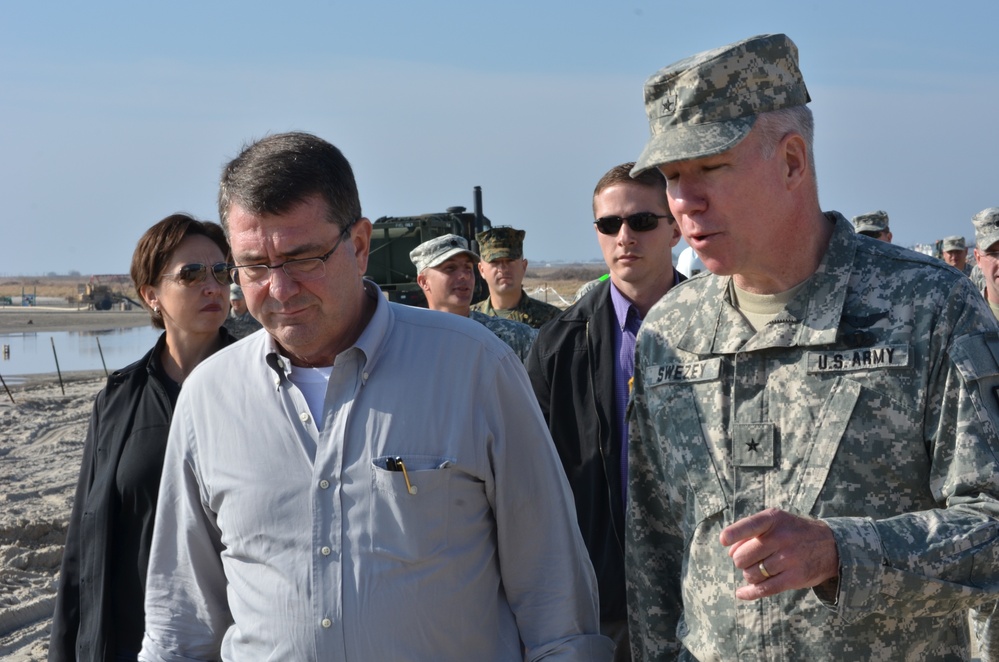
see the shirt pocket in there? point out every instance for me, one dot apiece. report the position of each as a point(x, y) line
point(409, 521)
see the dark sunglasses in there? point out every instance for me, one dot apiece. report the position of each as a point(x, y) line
point(640, 222)
point(195, 274)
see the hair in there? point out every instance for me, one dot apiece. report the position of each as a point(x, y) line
point(776, 124)
point(278, 172)
point(157, 244)
point(621, 174)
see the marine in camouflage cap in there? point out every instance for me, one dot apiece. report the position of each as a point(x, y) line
point(503, 268)
point(873, 224)
point(501, 242)
point(782, 500)
point(706, 104)
point(446, 276)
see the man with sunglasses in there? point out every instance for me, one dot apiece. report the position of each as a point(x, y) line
point(813, 454)
point(389, 489)
point(582, 362)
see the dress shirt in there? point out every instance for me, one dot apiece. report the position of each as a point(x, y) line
point(278, 538)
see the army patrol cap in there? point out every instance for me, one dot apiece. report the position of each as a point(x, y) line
point(875, 221)
point(502, 242)
point(986, 224)
point(955, 243)
point(235, 291)
point(439, 249)
point(706, 104)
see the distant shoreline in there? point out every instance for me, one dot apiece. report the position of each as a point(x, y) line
point(17, 319)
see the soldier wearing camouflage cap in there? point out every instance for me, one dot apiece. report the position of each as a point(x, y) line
point(873, 224)
point(954, 252)
point(986, 224)
point(503, 267)
point(813, 423)
point(444, 265)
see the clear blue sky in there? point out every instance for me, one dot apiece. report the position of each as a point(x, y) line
point(116, 114)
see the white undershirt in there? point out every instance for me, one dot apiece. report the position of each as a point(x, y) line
point(312, 383)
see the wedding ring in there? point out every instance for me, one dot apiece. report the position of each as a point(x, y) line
point(763, 570)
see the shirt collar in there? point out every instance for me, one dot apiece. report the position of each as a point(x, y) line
point(367, 344)
point(621, 306)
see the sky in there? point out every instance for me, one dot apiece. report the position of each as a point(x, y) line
point(116, 114)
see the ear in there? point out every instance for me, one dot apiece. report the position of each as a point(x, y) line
point(360, 239)
point(421, 280)
point(525, 263)
point(978, 258)
point(795, 152)
point(676, 235)
point(148, 294)
point(482, 271)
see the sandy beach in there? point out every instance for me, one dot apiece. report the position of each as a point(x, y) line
point(41, 443)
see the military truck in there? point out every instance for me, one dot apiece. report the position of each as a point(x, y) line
point(393, 237)
point(103, 292)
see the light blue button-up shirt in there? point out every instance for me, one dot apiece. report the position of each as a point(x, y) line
point(280, 538)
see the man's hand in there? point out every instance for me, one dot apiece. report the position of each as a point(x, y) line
point(778, 551)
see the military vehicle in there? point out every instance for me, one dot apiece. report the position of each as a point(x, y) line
point(101, 294)
point(393, 237)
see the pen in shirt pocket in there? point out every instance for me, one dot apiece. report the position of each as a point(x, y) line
point(396, 464)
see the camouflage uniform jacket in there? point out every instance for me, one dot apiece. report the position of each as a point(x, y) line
point(529, 311)
point(518, 336)
point(867, 402)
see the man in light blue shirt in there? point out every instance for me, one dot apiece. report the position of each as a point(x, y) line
point(389, 490)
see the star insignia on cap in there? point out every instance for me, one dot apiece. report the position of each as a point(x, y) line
point(668, 104)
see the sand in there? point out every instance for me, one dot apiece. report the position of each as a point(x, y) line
point(41, 444)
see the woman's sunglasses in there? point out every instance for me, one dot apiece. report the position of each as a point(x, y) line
point(640, 222)
point(195, 274)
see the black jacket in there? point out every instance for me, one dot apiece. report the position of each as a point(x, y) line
point(571, 366)
point(132, 411)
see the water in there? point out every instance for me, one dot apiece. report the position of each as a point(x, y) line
point(31, 353)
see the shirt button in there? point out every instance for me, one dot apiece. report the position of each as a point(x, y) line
point(326, 551)
point(304, 417)
point(326, 623)
point(324, 484)
point(364, 376)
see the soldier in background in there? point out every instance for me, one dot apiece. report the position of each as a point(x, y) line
point(874, 225)
point(444, 273)
point(503, 266)
point(240, 322)
point(813, 456)
point(954, 251)
point(986, 224)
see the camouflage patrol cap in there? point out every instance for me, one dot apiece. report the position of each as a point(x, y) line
point(705, 104)
point(502, 242)
point(235, 292)
point(986, 228)
point(875, 221)
point(954, 243)
point(439, 249)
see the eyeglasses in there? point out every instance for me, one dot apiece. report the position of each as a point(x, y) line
point(299, 270)
point(992, 254)
point(640, 222)
point(195, 274)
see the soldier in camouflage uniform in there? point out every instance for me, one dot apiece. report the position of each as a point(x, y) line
point(503, 266)
point(986, 224)
point(444, 265)
point(955, 253)
point(874, 225)
point(813, 456)
point(240, 322)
